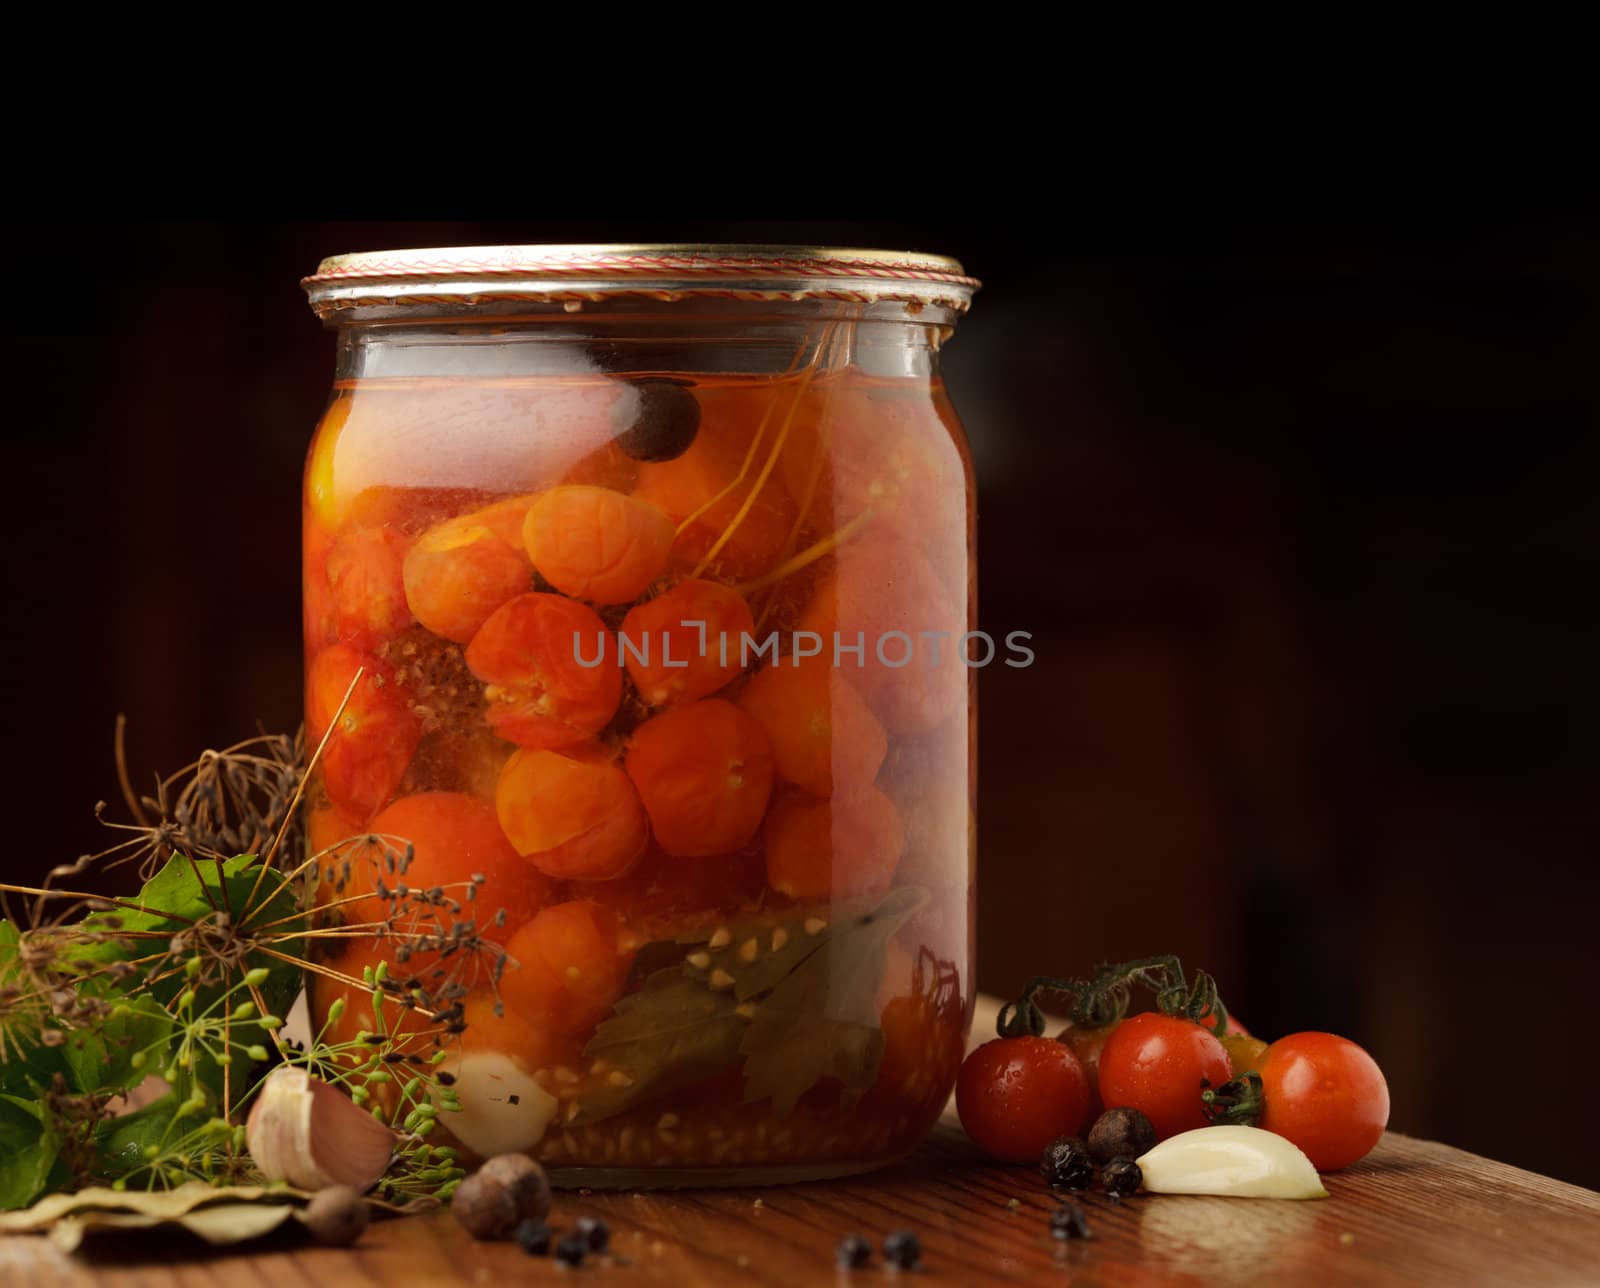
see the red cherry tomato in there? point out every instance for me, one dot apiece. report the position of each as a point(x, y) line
point(1244, 1051)
point(1326, 1095)
point(1233, 1029)
point(1159, 1064)
point(1016, 1095)
point(1087, 1044)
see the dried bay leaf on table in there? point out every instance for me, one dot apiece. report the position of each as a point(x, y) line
point(217, 1214)
point(218, 1224)
point(159, 1204)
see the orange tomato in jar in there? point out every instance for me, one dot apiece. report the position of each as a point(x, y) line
point(574, 815)
point(884, 596)
point(327, 825)
point(367, 754)
point(875, 447)
point(551, 669)
point(924, 1027)
point(493, 1026)
point(459, 573)
point(704, 773)
point(839, 846)
point(824, 736)
point(416, 1033)
point(368, 591)
point(567, 967)
point(596, 544)
point(687, 643)
point(454, 839)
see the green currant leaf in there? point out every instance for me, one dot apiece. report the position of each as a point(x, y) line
point(123, 1140)
point(821, 1021)
point(118, 1053)
point(794, 995)
point(195, 913)
point(27, 1153)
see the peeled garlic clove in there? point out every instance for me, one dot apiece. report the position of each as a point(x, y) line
point(502, 1108)
point(1246, 1162)
point(312, 1135)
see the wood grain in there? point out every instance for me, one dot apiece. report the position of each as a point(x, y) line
point(1414, 1212)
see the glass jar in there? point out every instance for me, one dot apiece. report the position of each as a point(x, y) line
point(637, 590)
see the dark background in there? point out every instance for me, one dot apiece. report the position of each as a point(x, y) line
point(1300, 509)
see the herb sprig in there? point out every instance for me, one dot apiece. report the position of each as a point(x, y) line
point(177, 996)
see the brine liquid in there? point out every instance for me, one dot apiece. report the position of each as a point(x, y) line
point(694, 732)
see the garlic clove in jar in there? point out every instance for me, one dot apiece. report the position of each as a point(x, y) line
point(314, 1136)
point(1245, 1162)
point(502, 1108)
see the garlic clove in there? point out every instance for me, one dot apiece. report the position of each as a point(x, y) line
point(1244, 1162)
point(502, 1108)
point(313, 1136)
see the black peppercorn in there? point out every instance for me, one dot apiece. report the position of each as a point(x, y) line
point(1121, 1176)
point(533, 1237)
point(571, 1250)
point(656, 420)
point(1121, 1133)
point(1069, 1222)
point(903, 1250)
point(594, 1232)
point(853, 1252)
point(1066, 1164)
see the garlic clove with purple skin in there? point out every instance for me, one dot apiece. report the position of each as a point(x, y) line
point(312, 1135)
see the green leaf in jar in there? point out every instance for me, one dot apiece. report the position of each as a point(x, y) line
point(821, 1021)
point(795, 996)
point(672, 1032)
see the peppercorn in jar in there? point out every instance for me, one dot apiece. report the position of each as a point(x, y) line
point(638, 620)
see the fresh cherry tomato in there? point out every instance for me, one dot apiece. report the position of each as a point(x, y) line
point(1244, 1051)
point(1160, 1064)
point(1016, 1095)
point(1087, 1044)
point(1231, 1030)
point(1326, 1095)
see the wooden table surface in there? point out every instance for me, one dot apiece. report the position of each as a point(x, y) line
point(1414, 1212)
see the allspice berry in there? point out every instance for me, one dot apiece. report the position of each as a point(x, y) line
point(500, 1195)
point(526, 1182)
point(484, 1207)
point(336, 1216)
point(1121, 1133)
point(656, 420)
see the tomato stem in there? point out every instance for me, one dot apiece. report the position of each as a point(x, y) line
point(1103, 999)
point(1238, 1101)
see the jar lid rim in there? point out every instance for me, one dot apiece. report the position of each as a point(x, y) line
point(643, 259)
point(574, 275)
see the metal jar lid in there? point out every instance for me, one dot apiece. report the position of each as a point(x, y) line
point(573, 275)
